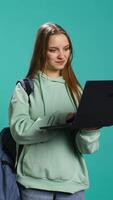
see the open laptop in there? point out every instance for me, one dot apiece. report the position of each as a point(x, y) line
point(95, 108)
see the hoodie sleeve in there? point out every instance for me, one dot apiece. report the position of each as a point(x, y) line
point(87, 141)
point(24, 129)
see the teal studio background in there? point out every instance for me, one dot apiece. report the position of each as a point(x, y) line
point(90, 26)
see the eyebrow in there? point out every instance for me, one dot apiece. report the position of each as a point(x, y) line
point(54, 47)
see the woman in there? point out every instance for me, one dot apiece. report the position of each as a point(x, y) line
point(51, 164)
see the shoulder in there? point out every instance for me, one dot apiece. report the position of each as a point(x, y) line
point(19, 94)
point(27, 84)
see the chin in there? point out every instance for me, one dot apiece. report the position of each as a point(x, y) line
point(60, 67)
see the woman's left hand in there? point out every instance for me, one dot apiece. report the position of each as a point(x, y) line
point(92, 129)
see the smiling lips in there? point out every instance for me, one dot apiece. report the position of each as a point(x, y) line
point(60, 62)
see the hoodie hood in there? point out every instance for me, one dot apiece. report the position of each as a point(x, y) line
point(59, 79)
point(53, 91)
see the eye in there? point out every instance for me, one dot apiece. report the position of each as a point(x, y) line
point(67, 48)
point(52, 50)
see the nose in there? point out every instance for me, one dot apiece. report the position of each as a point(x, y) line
point(61, 54)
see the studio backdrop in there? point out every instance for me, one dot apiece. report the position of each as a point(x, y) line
point(90, 26)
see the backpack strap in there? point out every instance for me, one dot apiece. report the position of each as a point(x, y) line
point(27, 84)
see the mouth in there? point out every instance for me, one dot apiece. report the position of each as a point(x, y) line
point(61, 62)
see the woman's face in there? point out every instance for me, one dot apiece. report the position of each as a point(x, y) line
point(58, 53)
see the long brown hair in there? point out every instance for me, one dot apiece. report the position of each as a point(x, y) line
point(38, 59)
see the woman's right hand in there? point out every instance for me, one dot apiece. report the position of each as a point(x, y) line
point(70, 117)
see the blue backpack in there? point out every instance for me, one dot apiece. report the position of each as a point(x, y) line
point(9, 189)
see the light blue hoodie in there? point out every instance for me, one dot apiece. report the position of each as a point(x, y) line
point(50, 160)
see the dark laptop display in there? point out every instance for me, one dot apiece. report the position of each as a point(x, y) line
point(95, 108)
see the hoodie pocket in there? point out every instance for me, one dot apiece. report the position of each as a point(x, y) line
point(48, 161)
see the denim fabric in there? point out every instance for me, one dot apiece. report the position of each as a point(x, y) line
point(32, 194)
point(67, 196)
point(8, 185)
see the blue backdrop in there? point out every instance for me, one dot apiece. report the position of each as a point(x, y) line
point(90, 25)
